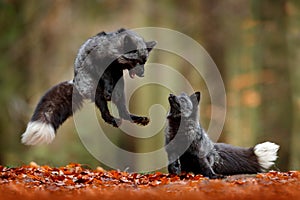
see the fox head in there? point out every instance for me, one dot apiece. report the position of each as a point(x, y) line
point(135, 52)
point(183, 105)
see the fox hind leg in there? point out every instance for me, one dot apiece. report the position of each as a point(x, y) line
point(101, 103)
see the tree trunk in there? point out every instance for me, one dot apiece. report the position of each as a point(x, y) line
point(276, 109)
point(294, 60)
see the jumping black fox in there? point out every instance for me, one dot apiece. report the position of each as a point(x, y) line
point(190, 149)
point(98, 76)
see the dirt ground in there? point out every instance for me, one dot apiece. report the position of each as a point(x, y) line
point(76, 181)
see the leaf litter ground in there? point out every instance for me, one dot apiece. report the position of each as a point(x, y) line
point(76, 181)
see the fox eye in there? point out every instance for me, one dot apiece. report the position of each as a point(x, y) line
point(142, 60)
point(132, 52)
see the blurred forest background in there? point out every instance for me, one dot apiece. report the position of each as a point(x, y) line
point(254, 43)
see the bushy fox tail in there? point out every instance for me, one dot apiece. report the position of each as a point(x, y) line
point(53, 109)
point(266, 154)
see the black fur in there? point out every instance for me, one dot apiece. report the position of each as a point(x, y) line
point(236, 160)
point(201, 155)
point(98, 68)
point(98, 76)
point(58, 104)
point(99, 71)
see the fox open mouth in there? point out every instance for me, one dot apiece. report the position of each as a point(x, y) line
point(132, 73)
point(137, 70)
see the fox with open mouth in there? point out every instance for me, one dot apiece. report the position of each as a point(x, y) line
point(98, 76)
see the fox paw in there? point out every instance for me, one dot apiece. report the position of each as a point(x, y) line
point(140, 120)
point(216, 176)
point(174, 168)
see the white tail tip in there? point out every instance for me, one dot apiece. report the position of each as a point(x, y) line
point(38, 133)
point(266, 154)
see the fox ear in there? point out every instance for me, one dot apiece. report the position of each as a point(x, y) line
point(196, 96)
point(121, 30)
point(129, 44)
point(150, 45)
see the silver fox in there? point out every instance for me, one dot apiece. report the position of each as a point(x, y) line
point(202, 156)
point(98, 76)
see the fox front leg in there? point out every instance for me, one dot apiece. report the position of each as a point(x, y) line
point(101, 103)
point(206, 169)
point(175, 167)
point(119, 101)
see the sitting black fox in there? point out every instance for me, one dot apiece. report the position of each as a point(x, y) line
point(199, 154)
point(98, 76)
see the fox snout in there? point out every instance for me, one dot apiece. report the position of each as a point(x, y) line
point(137, 70)
point(174, 101)
point(171, 98)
